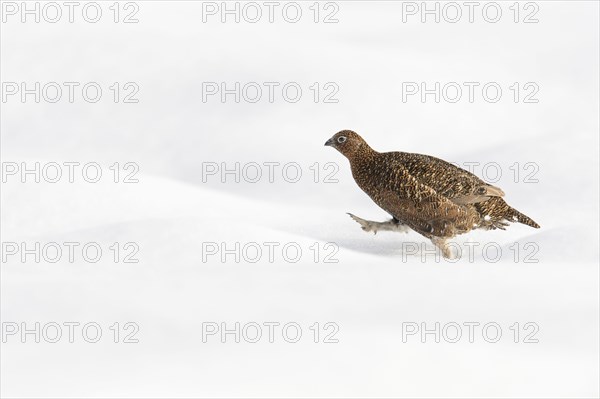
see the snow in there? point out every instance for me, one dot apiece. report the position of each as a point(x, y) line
point(375, 286)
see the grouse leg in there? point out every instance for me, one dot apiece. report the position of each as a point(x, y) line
point(442, 244)
point(391, 225)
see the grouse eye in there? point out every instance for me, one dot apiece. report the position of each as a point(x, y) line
point(341, 139)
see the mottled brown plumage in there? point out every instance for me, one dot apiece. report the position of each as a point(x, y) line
point(431, 196)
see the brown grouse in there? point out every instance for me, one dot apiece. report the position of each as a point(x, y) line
point(426, 194)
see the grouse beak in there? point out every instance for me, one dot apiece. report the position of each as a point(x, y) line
point(329, 142)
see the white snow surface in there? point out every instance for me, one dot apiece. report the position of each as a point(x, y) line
point(374, 287)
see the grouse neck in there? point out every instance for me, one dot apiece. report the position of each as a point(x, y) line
point(362, 153)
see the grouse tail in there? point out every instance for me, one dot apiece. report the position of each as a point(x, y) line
point(514, 215)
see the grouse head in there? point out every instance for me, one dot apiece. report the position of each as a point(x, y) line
point(349, 143)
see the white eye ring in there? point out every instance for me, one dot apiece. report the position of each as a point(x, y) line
point(341, 139)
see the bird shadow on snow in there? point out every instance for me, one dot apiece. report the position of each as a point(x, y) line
point(394, 244)
point(349, 236)
point(388, 244)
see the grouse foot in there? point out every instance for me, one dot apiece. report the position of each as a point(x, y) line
point(390, 225)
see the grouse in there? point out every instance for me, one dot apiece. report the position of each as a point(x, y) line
point(426, 194)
